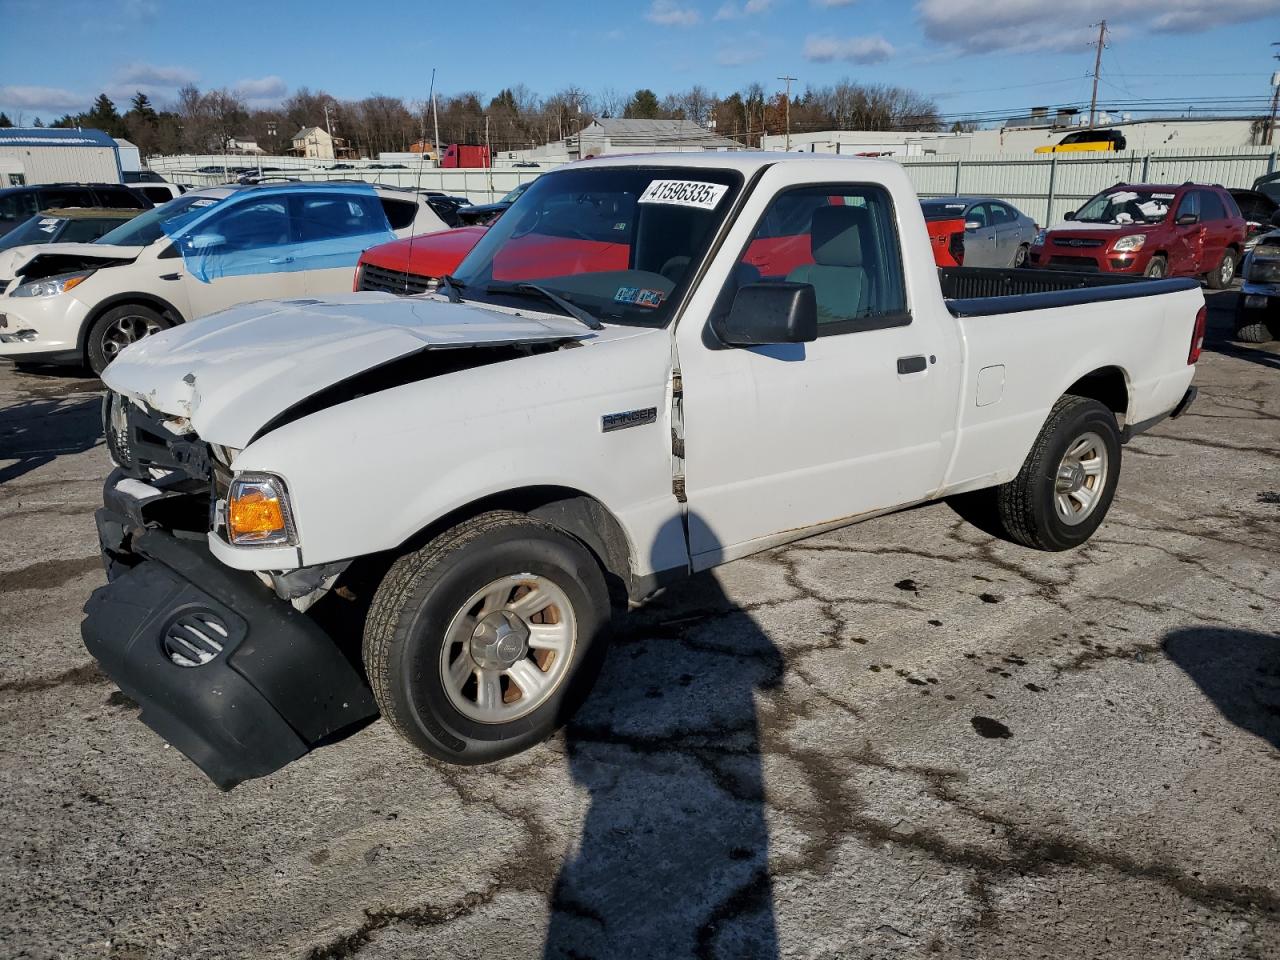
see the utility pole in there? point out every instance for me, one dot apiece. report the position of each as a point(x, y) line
point(435, 116)
point(789, 81)
point(1097, 67)
point(1275, 101)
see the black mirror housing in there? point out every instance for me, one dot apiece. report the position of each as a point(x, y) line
point(1069, 215)
point(764, 313)
point(1187, 219)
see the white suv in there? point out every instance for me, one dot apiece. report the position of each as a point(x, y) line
point(202, 252)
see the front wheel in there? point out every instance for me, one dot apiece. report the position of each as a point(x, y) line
point(482, 643)
point(1221, 278)
point(118, 328)
point(1065, 486)
point(1157, 269)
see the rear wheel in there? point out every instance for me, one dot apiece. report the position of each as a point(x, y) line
point(1221, 278)
point(1157, 268)
point(482, 643)
point(1065, 486)
point(118, 328)
point(1020, 258)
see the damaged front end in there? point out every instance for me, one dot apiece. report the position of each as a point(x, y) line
point(225, 664)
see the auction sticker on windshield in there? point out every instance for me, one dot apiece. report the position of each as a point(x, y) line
point(685, 193)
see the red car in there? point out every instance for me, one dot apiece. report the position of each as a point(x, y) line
point(1150, 230)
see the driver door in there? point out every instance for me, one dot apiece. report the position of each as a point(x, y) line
point(247, 252)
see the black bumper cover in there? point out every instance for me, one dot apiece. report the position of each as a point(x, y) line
point(279, 687)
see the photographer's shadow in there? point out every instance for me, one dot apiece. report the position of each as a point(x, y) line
point(674, 856)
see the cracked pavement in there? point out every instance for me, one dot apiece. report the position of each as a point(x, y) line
point(900, 739)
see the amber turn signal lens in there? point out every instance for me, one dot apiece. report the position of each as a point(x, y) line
point(255, 516)
point(71, 282)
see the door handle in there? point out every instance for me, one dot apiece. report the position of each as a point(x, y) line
point(281, 260)
point(171, 276)
point(912, 365)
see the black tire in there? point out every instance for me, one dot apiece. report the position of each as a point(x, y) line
point(1253, 332)
point(106, 336)
point(422, 593)
point(1221, 277)
point(1024, 506)
point(1157, 268)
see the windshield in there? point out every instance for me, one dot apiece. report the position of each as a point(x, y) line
point(514, 195)
point(618, 242)
point(38, 229)
point(167, 218)
point(942, 209)
point(1127, 206)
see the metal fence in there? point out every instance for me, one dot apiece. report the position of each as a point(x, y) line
point(1045, 186)
point(479, 185)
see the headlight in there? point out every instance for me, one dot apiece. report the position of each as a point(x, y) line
point(258, 511)
point(1267, 251)
point(1130, 243)
point(1039, 240)
point(52, 285)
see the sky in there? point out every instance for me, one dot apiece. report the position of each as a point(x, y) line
point(971, 56)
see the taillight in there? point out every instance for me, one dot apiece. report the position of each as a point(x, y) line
point(1197, 335)
point(956, 247)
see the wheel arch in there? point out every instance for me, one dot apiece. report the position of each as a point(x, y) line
point(118, 300)
point(1108, 385)
point(572, 511)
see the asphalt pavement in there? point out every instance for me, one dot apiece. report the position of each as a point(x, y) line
point(903, 739)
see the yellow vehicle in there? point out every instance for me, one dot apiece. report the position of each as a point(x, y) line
point(1087, 140)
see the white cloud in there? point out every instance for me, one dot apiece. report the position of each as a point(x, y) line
point(870, 49)
point(150, 75)
point(735, 11)
point(668, 13)
point(262, 88)
point(1022, 26)
point(42, 99)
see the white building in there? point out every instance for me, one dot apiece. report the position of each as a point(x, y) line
point(611, 136)
point(60, 155)
point(315, 143)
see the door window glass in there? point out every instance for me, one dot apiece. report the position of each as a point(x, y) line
point(251, 225)
point(842, 241)
point(978, 214)
point(1211, 206)
point(1190, 205)
point(401, 214)
point(329, 216)
point(59, 198)
point(999, 213)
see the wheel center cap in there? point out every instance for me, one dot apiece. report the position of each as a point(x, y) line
point(499, 640)
point(1071, 477)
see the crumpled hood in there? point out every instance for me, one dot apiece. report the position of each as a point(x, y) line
point(232, 372)
point(15, 258)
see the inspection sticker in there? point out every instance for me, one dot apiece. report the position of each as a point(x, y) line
point(639, 296)
point(685, 193)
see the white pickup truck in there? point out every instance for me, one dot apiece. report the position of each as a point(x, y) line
point(430, 507)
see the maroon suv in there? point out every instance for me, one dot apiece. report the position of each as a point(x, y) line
point(1149, 230)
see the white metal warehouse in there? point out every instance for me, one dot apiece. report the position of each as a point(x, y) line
point(57, 155)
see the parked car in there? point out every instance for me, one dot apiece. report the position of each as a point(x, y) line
point(158, 193)
point(1082, 141)
point(477, 479)
point(1151, 230)
point(203, 252)
point(486, 212)
point(75, 225)
point(1260, 213)
point(1258, 307)
point(20, 204)
point(978, 232)
point(142, 176)
point(1269, 183)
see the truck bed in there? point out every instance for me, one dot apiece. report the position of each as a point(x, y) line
point(979, 291)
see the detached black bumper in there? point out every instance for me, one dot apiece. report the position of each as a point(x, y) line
point(224, 670)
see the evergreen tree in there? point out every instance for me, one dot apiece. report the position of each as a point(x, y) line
point(5, 121)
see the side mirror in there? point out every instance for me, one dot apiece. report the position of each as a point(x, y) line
point(199, 242)
point(972, 225)
point(1069, 215)
point(764, 313)
point(1187, 219)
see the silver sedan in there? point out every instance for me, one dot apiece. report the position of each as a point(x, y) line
point(996, 233)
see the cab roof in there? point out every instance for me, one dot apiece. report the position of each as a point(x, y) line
point(744, 161)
